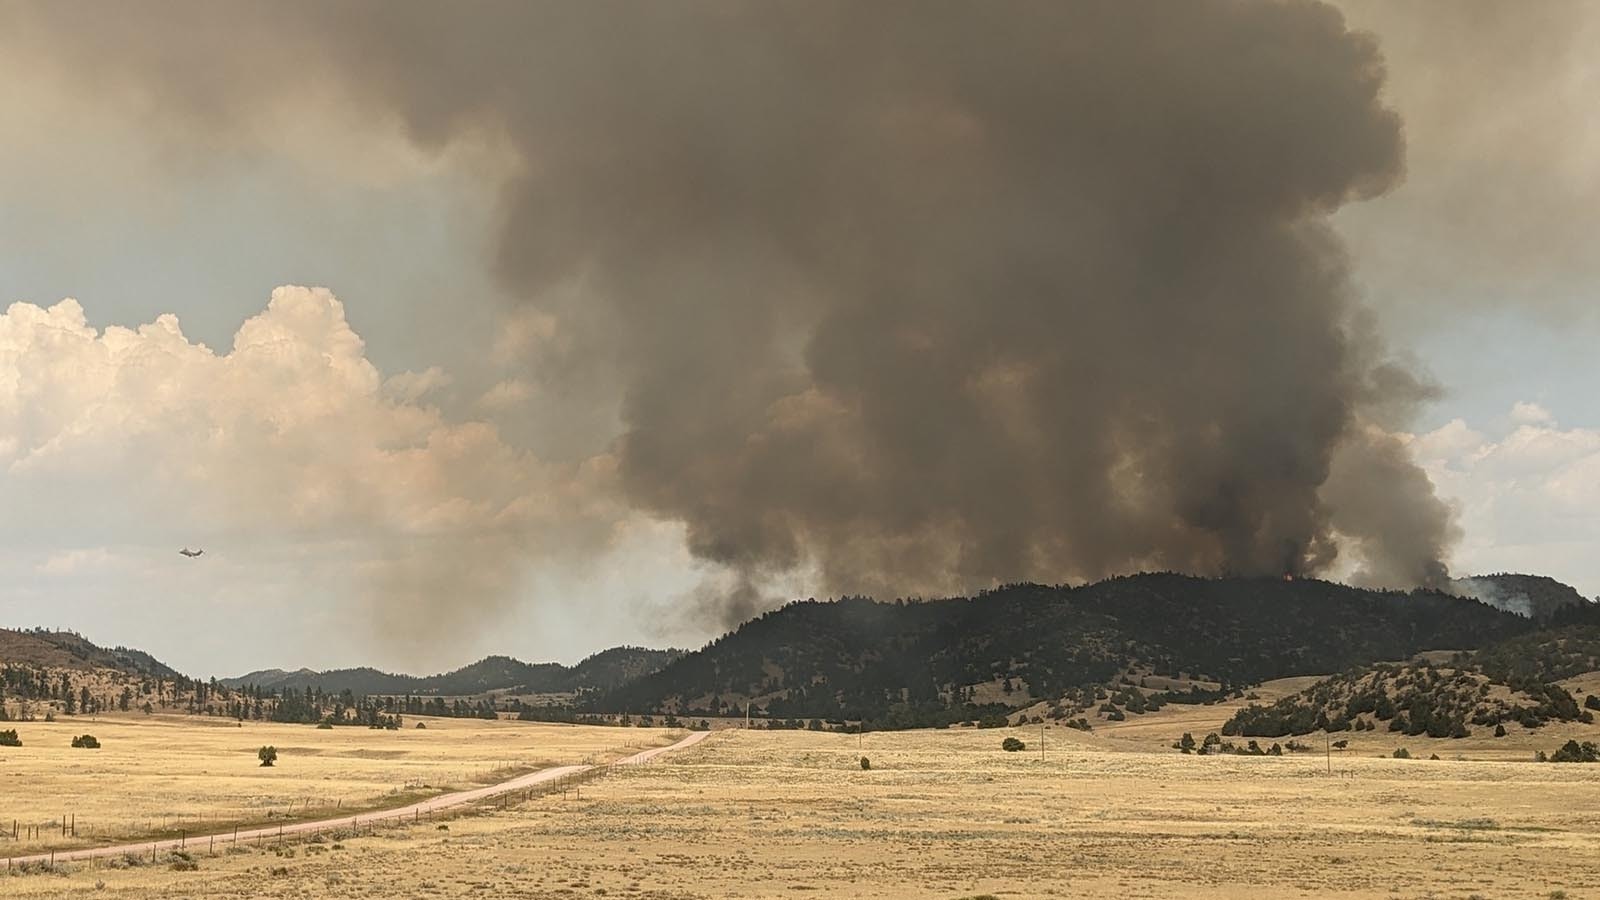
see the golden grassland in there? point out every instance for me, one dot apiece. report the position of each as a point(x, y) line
point(947, 814)
point(166, 775)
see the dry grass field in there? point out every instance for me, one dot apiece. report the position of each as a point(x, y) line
point(169, 774)
point(947, 814)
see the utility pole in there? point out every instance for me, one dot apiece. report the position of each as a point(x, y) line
point(1327, 746)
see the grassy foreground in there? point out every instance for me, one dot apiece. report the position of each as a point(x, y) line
point(948, 814)
point(161, 776)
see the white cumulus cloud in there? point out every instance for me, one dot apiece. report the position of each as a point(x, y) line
point(291, 446)
point(1529, 499)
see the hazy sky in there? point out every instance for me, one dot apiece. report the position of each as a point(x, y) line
point(293, 341)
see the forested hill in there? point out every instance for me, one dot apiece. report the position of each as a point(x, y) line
point(1514, 680)
point(43, 648)
point(856, 658)
point(602, 671)
point(1535, 596)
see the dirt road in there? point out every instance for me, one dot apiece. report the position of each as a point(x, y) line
point(413, 811)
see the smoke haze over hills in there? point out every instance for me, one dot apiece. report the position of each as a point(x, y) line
point(906, 298)
point(916, 296)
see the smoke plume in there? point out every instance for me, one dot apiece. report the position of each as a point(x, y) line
point(913, 296)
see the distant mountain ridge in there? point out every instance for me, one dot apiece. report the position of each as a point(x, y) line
point(897, 663)
point(903, 663)
point(605, 670)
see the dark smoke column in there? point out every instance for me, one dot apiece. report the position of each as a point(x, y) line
point(931, 296)
point(919, 296)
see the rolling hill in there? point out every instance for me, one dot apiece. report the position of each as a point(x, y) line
point(1534, 596)
point(1515, 680)
point(68, 650)
point(945, 660)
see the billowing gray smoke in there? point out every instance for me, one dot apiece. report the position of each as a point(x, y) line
point(925, 295)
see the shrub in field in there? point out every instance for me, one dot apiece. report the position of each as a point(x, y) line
point(865, 763)
point(267, 755)
point(1012, 745)
point(1402, 753)
point(1572, 751)
point(183, 862)
point(86, 742)
point(8, 738)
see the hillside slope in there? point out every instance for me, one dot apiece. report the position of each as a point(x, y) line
point(1516, 680)
point(860, 659)
point(43, 673)
point(1413, 699)
point(1535, 596)
point(1549, 654)
point(68, 650)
